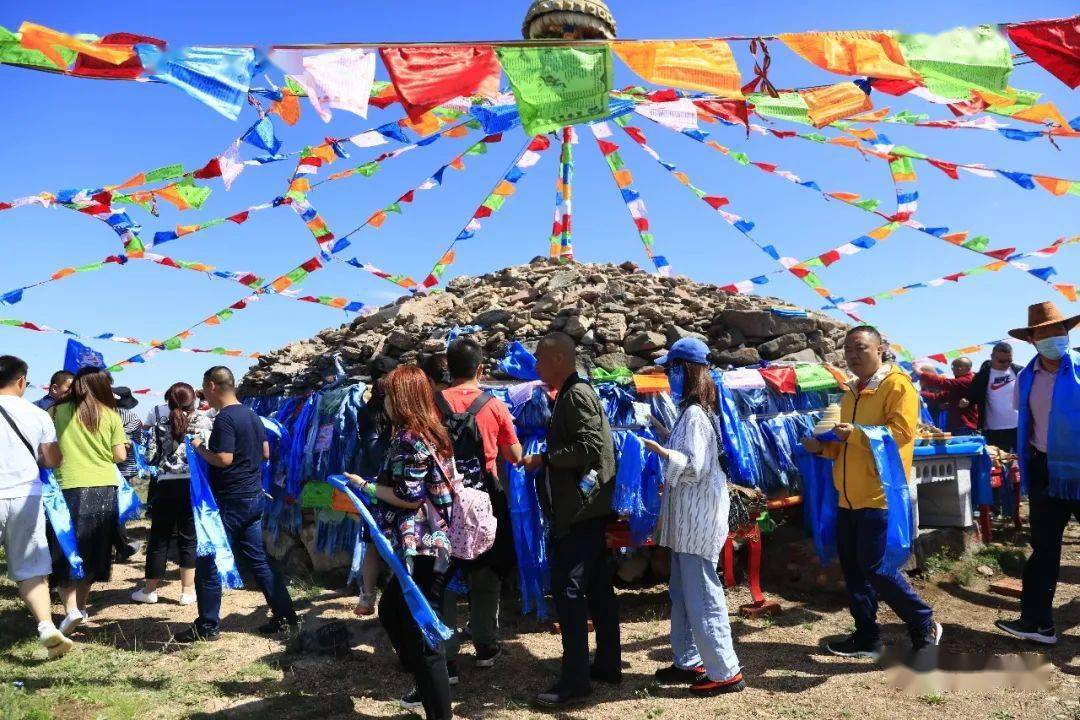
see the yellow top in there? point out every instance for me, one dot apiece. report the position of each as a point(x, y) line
point(88, 456)
point(891, 400)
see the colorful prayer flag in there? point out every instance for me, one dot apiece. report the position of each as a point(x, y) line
point(558, 86)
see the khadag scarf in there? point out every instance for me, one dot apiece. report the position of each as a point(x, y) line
point(432, 628)
point(211, 539)
point(56, 510)
point(1062, 450)
point(128, 502)
point(899, 522)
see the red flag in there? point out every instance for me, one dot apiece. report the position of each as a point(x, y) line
point(312, 265)
point(407, 197)
point(636, 134)
point(642, 224)
point(239, 217)
point(665, 95)
point(211, 169)
point(1001, 254)
point(734, 111)
point(607, 147)
point(715, 202)
point(86, 66)
point(493, 138)
point(482, 212)
point(939, 357)
point(426, 77)
point(954, 277)
point(539, 143)
point(893, 87)
point(946, 167)
point(767, 167)
point(1054, 44)
point(829, 258)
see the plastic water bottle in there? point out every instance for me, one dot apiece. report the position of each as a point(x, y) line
point(588, 483)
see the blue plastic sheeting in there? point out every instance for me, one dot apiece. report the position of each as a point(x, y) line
point(519, 363)
point(618, 404)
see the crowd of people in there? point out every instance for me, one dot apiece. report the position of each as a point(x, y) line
point(432, 438)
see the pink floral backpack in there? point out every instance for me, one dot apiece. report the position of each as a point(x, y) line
point(472, 519)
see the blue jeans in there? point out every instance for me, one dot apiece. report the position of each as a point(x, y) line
point(242, 518)
point(700, 631)
point(860, 544)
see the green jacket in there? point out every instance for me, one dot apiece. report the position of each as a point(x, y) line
point(579, 440)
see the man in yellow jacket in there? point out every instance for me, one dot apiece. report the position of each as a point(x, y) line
point(881, 394)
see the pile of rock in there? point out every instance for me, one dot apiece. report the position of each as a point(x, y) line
point(620, 315)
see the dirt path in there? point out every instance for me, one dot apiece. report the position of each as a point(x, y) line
point(127, 667)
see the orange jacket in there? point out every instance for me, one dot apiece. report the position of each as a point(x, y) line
point(891, 400)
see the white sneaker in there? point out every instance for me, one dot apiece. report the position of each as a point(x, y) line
point(71, 621)
point(188, 598)
point(56, 643)
point(144, 597)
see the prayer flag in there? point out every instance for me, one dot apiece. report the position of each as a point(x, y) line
point(90, 66)
point(834, 102)
point(954, 63)
point(12, 52)
point(46, 41)
point(428, 76)
point(77, 356)
point(219, 77)
point(875, 54)
point(691, 64)
point(1053, 44)
point(339, 79)
point(558, 86)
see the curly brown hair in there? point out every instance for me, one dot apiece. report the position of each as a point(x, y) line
point(411, 404)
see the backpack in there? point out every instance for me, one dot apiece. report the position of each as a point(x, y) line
point(467, 441)
point(472, 519)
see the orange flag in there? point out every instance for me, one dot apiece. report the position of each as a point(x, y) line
point(875, 54)
point(288, 107)
point(835, 102)
point(692, 64)
point(45, 40)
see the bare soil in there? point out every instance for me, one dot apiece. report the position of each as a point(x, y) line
point(127, 666)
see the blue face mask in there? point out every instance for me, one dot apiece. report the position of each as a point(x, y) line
point(1053, 348)
point(676, 376)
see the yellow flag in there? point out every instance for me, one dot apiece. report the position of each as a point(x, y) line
point(875, 54)
point(706, 65)
point(46, 40)
point(834, 102)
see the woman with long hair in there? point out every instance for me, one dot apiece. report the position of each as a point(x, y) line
point(92, 441)
point(171, 513)
point(413, 511)
point(694, 525)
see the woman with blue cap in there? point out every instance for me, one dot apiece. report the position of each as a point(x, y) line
point(694, 525)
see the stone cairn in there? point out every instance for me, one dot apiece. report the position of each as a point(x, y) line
point(620, 315)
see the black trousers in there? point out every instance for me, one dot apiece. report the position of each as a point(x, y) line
point(581, 587)
point(427, 664)
point(171, 516)
point(1049, 516)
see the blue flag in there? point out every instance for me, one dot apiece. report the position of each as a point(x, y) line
point(77, 356)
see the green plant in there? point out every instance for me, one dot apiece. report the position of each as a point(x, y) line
point(1002, 715)
point(933, 699)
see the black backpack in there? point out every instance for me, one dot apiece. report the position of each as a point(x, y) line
point(468, 442)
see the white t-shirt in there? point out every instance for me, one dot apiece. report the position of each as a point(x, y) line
point(18, 470)
point(1001, 412)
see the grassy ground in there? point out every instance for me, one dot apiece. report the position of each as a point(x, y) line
point(125, 665)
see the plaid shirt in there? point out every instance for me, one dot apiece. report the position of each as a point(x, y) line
point(410, 469)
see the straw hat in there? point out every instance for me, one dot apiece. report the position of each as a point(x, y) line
point(1041, 315)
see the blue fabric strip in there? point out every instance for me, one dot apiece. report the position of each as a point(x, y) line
point(56, 510)
point(890, 468)
point(209, 530)
point(431, 626)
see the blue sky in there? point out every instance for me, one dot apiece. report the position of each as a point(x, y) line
point(66, 132)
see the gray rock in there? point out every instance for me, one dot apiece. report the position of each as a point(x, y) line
point(783, 345)
point(739, 357)
point(492, 317)
point(611, 327)
point(726, 338)
point(612, 361)
point(763, 324)
point(577, 325)
point(675, 333)
point(807, 355)
point(643, 342)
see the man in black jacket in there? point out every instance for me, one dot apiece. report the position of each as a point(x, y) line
point(994, 392)
point(575, 487)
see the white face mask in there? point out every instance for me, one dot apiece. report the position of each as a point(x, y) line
point(1053, 348)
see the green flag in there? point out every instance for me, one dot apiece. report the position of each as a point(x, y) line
point(558, 86)
point(955, 62)
point(193, 194)
point(789, 106)
point(165, 173)
point(12, 51)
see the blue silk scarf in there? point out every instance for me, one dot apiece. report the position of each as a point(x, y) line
point(209, 530)
point(894, 480)
point(56, 510)
point(432, 628)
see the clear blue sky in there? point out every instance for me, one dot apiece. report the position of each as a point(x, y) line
point(64, 132)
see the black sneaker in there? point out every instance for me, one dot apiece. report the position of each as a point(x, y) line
point(675, 675)
point(556, 698)
point(194, 634)
point(486, 655)
point(411, 700)
point(854, 646)
point(452, 672)
point(273, 626)
point(1024, 630)
point(930, 639)
point(605, 676)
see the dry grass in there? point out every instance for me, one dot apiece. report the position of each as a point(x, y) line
point(126, 666)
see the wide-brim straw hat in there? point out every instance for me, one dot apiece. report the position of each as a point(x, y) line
point(1041, 315)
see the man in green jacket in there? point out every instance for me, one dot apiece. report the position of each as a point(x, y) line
point(575, 488)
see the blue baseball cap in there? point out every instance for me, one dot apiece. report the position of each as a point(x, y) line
point(689, 349)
